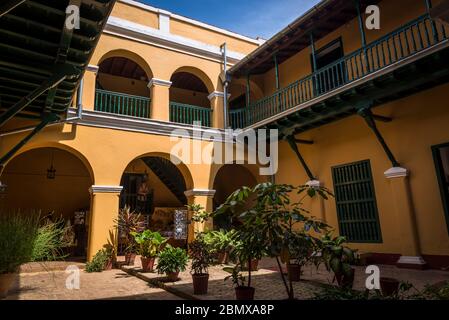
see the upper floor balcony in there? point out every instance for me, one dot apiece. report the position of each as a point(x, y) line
point(383, 69)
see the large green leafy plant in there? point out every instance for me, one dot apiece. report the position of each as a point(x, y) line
point(149, 243)
point(268, 219)
point(127, 223)
point(172, 260)
point(18, 233)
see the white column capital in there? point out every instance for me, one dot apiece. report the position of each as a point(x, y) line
point(412, 260)
point(159, 82)
point(93, 68)
point(314, 184)
point(217, 94)
point(396, 172)
point(105, 189)
point(200, 192)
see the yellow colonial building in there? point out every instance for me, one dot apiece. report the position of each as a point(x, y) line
point(360, 104)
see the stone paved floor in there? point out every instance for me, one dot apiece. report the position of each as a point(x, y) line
point(114, 284)
point(269, 286)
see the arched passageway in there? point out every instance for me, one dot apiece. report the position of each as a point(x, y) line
point(189, 100)
point(155, 188)
point(229, 178)
point(122, 87)
point(55, 183)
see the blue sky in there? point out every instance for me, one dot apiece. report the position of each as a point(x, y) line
point(253, 18)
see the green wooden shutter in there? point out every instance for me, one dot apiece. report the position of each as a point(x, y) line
point(356, 202)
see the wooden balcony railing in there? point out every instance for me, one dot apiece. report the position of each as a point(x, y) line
point(120, 103)
point(412, 38)
point(186, 113)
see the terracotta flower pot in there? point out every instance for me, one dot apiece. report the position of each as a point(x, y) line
point(109, 265)
point(294, 272)
point(345, 281)
point(254, 265)
point(389, 286)
point(147, 264)
point(130, 258)
point(200, 283)
point(173, 276)
point(223, 257)
point(245, 293)
point(6, 281)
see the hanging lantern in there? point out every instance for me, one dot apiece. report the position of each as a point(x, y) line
point(51, 172)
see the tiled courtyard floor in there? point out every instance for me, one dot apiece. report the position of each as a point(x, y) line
point(115, 284)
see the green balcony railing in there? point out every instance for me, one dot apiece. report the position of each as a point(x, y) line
point(237, 118)
point(120, 103)
point(186, 113)
point(412, 38)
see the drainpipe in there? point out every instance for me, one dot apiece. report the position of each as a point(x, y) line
point(79, 114)
point(225, 85)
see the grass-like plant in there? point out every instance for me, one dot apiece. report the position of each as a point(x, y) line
point(50, 242)
point(18, 232)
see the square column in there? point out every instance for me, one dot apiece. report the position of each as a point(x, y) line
point(160, 99)
point(217, 107)
point(103, 213)
point(406, 221)
point(204, 198)
point(89, 84)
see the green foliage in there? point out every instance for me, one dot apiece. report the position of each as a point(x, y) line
point(127, 223)
point(50, 242)
point(199, 214)
point(18, 233)
point(149, 243)
point(236, 276)
point(302, 249)
point(99, 261)
point(201, 255)
point(268, 218)
point(337, 257)
point(172, 260)
point(221, 241)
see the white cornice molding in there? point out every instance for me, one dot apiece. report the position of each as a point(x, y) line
point(159, 82)
point(104, 120)
point(200, 192)
point(93, 68)
point(140, 33)
point(191, 21)
point(396, 172)
point(105, 189)
point(217, 94)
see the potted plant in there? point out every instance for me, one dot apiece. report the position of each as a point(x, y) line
point(242, 290)
point(222, 243)
point(127, 223)
point(100, 262)
point(18, 233)
point(389, 286)
point(149, 245)
point(339, 259)
point(201, 256)
point(302, 247)
point(171, 262)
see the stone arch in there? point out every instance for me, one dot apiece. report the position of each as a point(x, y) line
point(131, 56)
point(199, 74)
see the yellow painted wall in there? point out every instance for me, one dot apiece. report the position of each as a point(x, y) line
point(29, 188)
point(188, 30)
point(420, 121)
point(189, 97)
point(124, 85)
point(136, 15)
